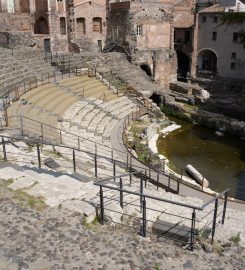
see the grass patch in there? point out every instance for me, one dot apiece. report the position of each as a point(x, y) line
point(5, 183)
point(178, 114)
point(95, 222)
point(25, 199)
point(217, 248)
point(236, 238)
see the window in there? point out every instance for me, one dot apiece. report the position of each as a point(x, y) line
point(233, 55)
point(97, 25)
point(214, 35)
point(62, 26)
point(233, 65)
point(139, 30)
point(235, 37)
point(204, 19)
point(215, 19)
point(60, 1)
point(81, 26)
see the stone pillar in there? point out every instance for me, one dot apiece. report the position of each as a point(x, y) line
point(195, 46)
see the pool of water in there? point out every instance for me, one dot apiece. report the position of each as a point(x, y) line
point(220, 159)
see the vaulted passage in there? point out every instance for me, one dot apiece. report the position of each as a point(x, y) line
point(207, 61)
point(146, 69)
point(183, 65)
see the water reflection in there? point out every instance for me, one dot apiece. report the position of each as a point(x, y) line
point(220, 159)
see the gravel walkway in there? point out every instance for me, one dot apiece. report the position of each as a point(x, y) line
point(55, 238)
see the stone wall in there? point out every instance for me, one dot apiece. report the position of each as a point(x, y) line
point(153, 45)
point(88, 24)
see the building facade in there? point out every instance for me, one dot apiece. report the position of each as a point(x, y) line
point(220, 51)
point(44, 20)
point(144, 31)
point(88, 24)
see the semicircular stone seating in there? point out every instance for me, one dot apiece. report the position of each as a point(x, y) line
point(80, 105)
point(94, 120)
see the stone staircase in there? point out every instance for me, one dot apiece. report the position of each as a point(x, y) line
point(64, 189)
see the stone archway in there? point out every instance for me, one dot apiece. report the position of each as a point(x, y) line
point(183, 64)
point(207, 61)
point(146, 69)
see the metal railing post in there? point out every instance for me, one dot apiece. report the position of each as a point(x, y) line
point(178, 186)
point(38, 156)
point(21, 126)
point(130, 159)
point(130, 180)
point(42, 132)
point(74, 160)
point(4, 150)
point(144, 217)
point(193, 221)
point(114, 169)
point(224, 209)
point(157, 181)
point(78, 143)
point(214, 218)
point(121, 193)
point(101, 207)
point(141, 192)
point(95, 166)
point(112, 155)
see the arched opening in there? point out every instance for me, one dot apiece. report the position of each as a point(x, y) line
point(41, 26)
point(156, 99)
point(80, 26)
point(183, 65)
point(97, 25)
point(62, 26)
point(207, 62)
point(146, 69)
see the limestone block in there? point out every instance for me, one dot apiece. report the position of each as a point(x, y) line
point(10, 173)
point(85, 208)
point(23, 183)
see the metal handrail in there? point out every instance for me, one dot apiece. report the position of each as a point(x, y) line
point(99, 183)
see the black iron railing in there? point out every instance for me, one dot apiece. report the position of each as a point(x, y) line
point(165, 229)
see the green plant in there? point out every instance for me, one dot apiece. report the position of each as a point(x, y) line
point(92, 224)
point(204, 234)
point(34, 202)
point(236, 238)
point(6, 183)
point(157, 266)
point(178, 114)
point(231, 18)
